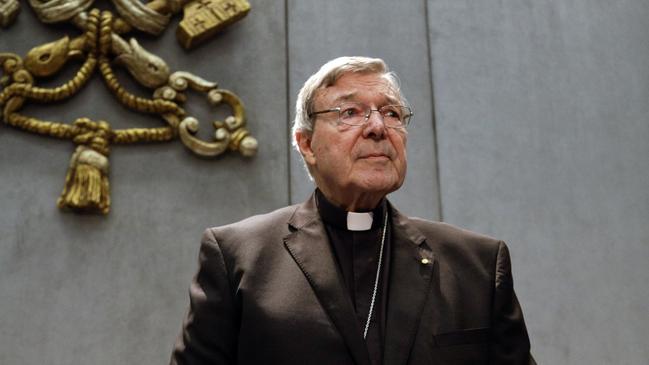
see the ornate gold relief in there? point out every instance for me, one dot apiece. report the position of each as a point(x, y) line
point(102, 46)
point(8, 11)
point(204, 18)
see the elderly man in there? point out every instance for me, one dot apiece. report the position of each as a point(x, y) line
point(345, 278)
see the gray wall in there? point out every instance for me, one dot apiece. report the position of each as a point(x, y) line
point(532, 125)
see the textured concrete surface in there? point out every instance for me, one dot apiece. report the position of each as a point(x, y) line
point(543, 130)
point(113, 290)
point(531, 125)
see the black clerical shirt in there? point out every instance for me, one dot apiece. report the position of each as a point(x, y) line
point(357, 256)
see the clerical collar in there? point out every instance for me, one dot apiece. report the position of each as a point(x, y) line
point(351, 221)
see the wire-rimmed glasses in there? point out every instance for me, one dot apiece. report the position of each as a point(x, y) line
point(356, 114)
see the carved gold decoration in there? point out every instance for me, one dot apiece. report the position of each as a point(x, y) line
point(102, 46)
point(8, 11)
point(204, 18)
point(86, 183)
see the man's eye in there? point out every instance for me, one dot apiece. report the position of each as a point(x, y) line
point(391, 113)
point(351, 112)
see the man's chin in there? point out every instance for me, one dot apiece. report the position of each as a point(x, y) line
point(379, 184)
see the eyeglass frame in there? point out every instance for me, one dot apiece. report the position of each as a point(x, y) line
point(368, 115)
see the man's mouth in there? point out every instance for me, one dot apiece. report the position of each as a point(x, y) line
point(375, 156)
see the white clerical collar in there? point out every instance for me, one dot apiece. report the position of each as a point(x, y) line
point(359, 221)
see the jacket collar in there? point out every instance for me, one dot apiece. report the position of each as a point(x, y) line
point(411, 275)
point(409, 281)
point(308, 245)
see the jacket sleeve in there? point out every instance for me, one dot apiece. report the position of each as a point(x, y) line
point(511, 344)
point(209, 333)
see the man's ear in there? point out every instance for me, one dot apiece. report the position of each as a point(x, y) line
point(303, 139)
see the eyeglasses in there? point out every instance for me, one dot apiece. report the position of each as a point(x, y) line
point(394, 116)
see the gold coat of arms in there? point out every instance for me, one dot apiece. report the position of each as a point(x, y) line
point(101, 45)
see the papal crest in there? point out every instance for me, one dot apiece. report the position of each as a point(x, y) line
point(101, 45)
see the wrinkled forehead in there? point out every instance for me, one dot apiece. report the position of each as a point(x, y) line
point(358, 87)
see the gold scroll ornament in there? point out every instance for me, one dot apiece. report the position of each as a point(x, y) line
point(101, 47)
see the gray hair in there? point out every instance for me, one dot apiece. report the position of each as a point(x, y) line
point(328, 74)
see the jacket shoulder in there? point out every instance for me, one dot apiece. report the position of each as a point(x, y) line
point(457, 245)
point(260, 225)
point(449, 233)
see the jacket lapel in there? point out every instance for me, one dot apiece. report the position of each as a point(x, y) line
point(411, 271)
point(308, 245)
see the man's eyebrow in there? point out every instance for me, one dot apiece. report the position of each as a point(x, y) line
point(345, 97)
point(352, 96)
point(391, 99)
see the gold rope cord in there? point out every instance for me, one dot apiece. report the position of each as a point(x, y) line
point(86, 187)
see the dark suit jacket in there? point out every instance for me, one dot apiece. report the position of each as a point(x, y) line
point(268, 291)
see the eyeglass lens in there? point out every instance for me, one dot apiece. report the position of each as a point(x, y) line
point(358, 113)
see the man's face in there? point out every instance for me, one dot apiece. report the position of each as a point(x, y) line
point(355, 166)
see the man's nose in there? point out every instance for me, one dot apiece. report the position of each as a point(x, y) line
point(374, 127)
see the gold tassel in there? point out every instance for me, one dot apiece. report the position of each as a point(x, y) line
point(86, 183)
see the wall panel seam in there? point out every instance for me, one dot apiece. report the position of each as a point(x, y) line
point(435, 159)
point(289, 140)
